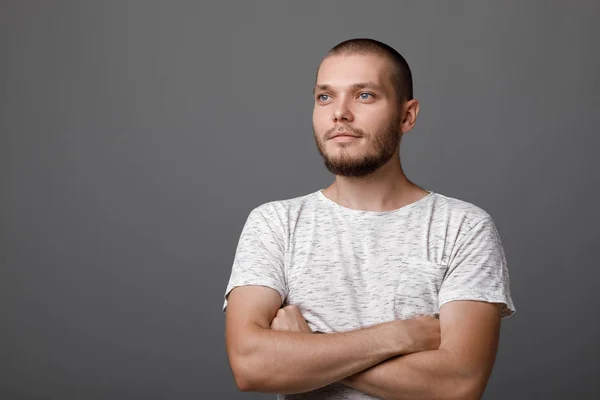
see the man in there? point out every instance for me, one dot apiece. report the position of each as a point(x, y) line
point(407, 286)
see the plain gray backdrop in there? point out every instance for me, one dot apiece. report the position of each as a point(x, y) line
point(136, 136)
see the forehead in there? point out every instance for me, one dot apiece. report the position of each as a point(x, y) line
point(345, 70)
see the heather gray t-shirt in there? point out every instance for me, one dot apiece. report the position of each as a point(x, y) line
point(348, 269)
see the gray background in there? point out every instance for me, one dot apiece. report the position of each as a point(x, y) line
point(137, 136)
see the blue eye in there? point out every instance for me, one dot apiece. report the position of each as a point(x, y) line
point(321, 97)
point(365, 96)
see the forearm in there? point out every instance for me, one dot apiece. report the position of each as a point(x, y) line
point(290, 362)
point(436, 374)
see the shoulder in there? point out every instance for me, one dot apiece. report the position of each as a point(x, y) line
point(282, 212)
point(456, 214)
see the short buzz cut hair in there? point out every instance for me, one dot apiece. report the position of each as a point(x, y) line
point(401, 75)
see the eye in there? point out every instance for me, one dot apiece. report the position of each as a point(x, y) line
point(365, 96)
point(322, 97)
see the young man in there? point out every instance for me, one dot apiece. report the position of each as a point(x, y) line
point(407, 285)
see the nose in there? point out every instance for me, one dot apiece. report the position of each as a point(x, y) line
point(342, 112)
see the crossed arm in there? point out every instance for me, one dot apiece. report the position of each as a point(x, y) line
point(458, 369)
point(393, 360)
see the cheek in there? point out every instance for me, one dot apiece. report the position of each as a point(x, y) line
point(372, 115)
point(320, 120)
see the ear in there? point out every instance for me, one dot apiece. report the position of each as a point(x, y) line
point(411, 111)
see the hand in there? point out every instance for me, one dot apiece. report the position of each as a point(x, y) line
point(420, 334)
point(289, 318)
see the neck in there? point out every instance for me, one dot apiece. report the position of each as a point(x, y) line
point(384, 190)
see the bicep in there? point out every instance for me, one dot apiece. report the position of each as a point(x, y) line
point(249, 307)
point(470, 331)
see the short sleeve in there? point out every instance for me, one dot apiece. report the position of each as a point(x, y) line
point(260, 255)
point(477, 269)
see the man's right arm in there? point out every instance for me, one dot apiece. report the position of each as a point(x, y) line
point(269, 361)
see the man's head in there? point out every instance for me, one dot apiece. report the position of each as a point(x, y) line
point(363, 104)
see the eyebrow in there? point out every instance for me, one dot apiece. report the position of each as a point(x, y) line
point(355, 86)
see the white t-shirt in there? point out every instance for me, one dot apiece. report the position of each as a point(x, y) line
point(348, 269)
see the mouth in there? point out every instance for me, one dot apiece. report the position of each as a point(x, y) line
point(341, 135)
point(344, 138)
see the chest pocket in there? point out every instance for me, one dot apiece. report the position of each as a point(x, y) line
point(418, 286)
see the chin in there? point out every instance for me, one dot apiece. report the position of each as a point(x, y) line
point(348, 148)
point(346, 159)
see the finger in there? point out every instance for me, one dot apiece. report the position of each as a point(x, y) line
point(276, 327)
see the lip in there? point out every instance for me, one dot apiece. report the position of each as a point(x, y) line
point(344, 138)
point(344, 135)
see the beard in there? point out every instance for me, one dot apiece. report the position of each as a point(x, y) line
point(384, 144)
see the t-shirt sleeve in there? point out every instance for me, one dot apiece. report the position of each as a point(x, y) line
point(260, 255)
point(477, 269)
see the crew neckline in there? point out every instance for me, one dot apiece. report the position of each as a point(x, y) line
point(396, 211)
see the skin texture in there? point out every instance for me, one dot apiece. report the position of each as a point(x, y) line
point(359, 109)
point(292, 359)
point(458, 369)
point(271, 349)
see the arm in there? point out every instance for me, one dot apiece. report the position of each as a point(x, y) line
point(459, 369)
point(267, 360)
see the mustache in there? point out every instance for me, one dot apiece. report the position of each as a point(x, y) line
point(343, 128)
